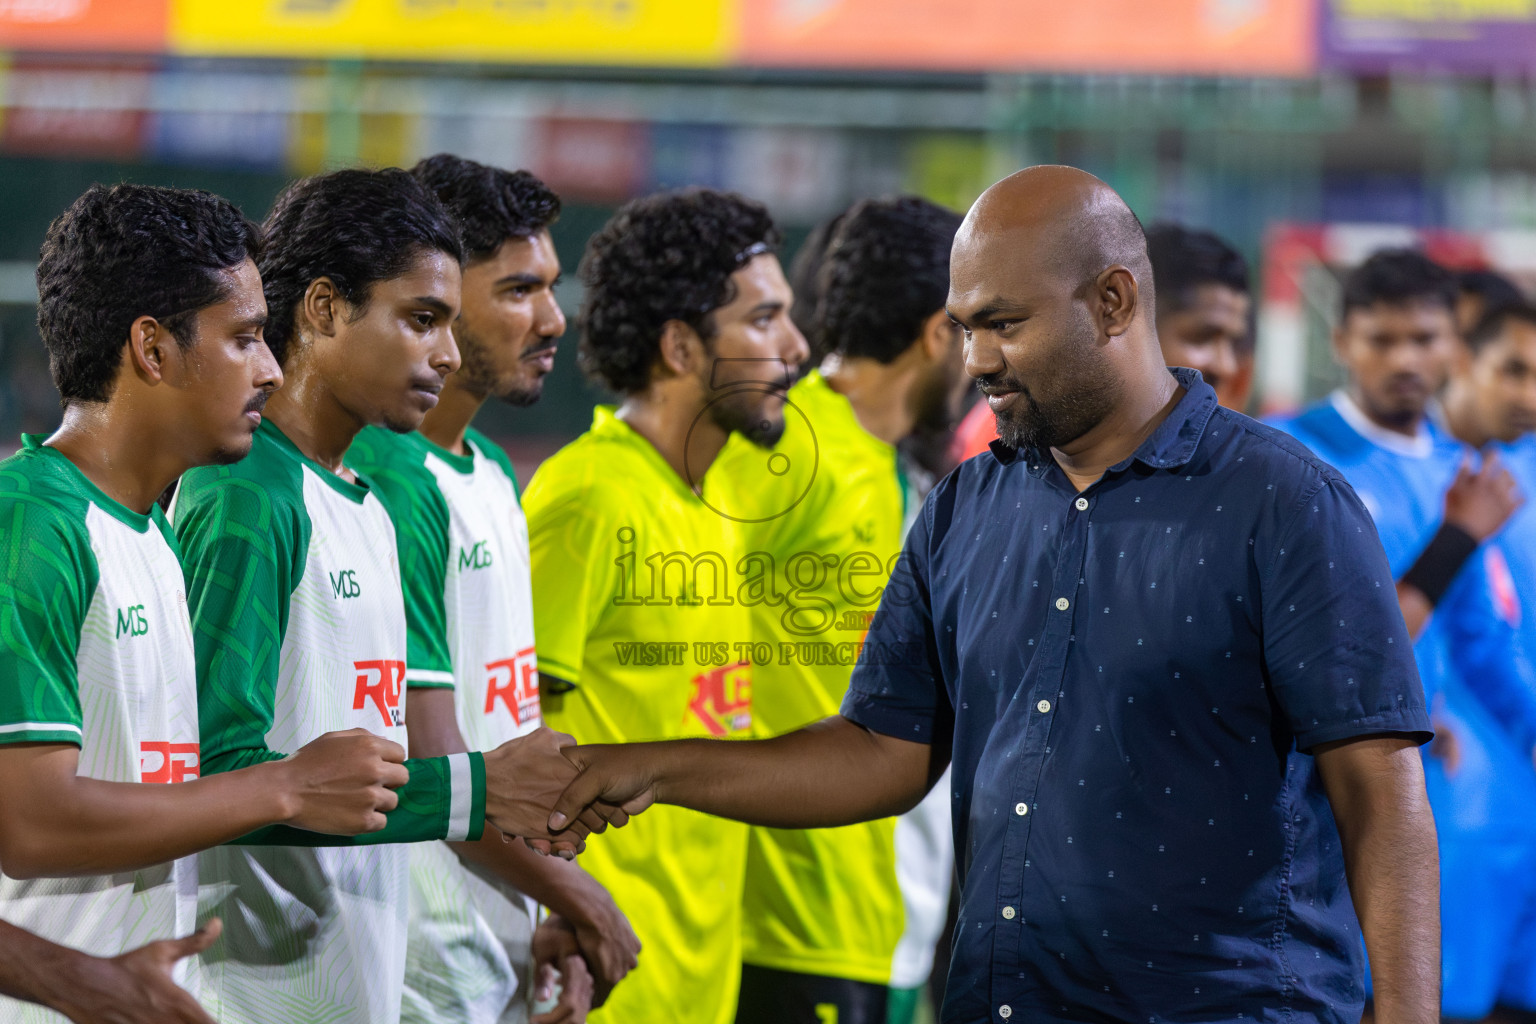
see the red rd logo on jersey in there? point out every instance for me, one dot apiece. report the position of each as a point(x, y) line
point(379, 681)
point(168, 762)
point(515, 682)
point(722, 699)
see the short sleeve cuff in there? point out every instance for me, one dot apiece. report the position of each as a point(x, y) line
point(466, 802)
point(40, 732)
point(429, 678)
point(555, 669)
point(1412, 722)
point(897, 723)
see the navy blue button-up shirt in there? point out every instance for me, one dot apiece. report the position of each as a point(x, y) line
point(1133, 676)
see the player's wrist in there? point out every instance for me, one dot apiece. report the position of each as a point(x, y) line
point(1436, 568)
point(279, 792)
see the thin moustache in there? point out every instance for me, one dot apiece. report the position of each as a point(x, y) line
point(258, 403)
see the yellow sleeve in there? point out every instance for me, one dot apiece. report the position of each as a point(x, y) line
point(573, 543)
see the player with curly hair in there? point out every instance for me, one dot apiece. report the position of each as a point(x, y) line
point(686, 318)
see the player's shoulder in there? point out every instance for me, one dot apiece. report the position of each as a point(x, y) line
point(42, 496)
point(592, 469)
point(263, 492)
point(495, 453)
point(376, 451)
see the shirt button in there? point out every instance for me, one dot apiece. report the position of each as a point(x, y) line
point(1005, 1011)
point(1062, 604)
point(1082, 504)
point(1021, 809)
point(1043, 706)
point(1008, 913)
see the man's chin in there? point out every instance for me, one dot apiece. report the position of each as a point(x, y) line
point(523, 393)
point(231, 453)
point(765, 433)
point(402, 421)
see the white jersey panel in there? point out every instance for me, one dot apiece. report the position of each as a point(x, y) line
point(925, 864)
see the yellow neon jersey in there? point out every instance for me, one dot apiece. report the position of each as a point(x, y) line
point(830, 499)
point(634, 603)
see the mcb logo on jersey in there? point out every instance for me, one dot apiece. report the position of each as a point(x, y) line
point(722, 699)
point(380, 682)
point(515, 682)
point(168, 762)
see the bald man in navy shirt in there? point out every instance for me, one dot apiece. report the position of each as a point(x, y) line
point(1160, 643)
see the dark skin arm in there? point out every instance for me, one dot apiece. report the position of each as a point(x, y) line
point(830, 773)
point(134, 988)
point(1480, 502)
point(1376, 788)
point(603, 932)
point(57, 823)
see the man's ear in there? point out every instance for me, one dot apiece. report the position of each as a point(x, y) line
point(681, 348)
point(1118, 297)
point(321, 306)
point(150, 348)
point(940, 337)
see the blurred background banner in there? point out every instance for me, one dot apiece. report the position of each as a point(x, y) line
point(666, 32)
point(69, 25)
point(1466, 36)
point(1250, 37)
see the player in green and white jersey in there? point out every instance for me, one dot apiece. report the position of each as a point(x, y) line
point(471, 671)
point(298, 612)
point(152, 312)
point(841, 923)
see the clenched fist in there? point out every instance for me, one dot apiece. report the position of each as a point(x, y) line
point(343, 783)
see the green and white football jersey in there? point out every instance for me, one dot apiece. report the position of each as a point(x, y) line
point(95, 650)
point(463, 545)
point(299, 623)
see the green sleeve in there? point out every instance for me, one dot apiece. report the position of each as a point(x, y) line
point(46, 586)
point(416, 506)
point(243, 553)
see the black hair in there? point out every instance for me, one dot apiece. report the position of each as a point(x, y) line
point(490, 204)
point(128, 251)
point(1183, 259)
point(885, 273)
point(1496, 319)
point(1492, 287)
point(1397, 277)
point(804, 277)
point(355, 227)
point(664, 257)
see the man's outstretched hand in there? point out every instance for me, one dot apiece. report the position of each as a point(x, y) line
point(523, 779)
point(611, 784)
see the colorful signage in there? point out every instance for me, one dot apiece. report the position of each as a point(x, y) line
point(120, 26)
point(661, 32)
point(1246, 37)
point(1470, 36)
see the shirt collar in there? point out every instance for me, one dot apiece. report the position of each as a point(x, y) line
point(1171, 445)
point(1420, 446)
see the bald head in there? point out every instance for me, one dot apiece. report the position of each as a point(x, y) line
point(1050, 278)
point(1075, 223)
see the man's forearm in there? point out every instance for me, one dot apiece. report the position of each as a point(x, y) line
point(32, 968)
point(828, 774)
point(1393, 866)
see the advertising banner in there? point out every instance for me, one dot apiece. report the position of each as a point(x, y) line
point(1248, 37)
point(121, 26)
point(1468, 36)
point(640, 32)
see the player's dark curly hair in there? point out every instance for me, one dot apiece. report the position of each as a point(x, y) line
point(664, 257)
point(128, 251)
point(355, 227)
point(1397, 276)
point(885, 273)
point(1183, 259)
point(490, 204)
